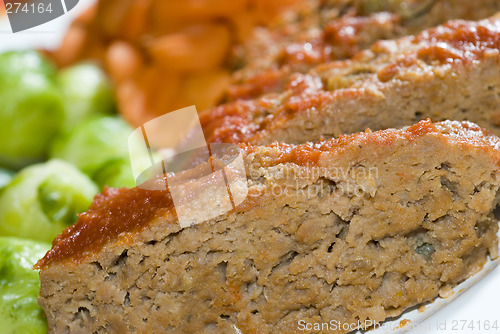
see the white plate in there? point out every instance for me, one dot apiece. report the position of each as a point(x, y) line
point(475, 301)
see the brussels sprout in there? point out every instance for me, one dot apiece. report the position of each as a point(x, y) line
point(93, 143)
point(31, 112)
point(13, 64)
point(44, 199)
point(116, 173)
point(19, 286)
point(86, 91)
point(5, 177)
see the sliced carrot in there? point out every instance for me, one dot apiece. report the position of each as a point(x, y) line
point(123, 61)
point(111, 15)
point(137, 19)
point(196, 10)
point(72, 46)
point(205, 89)
point(198, 48)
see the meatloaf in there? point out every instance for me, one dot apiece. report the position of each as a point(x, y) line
point(448, 72)
point(344, 231)
point(335, 30)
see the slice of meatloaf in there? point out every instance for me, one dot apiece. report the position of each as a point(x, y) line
point(449, 72)
point(342, 231)
point(336, 30)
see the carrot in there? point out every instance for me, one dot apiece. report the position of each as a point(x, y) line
point(72, 45)
point(205, 89)
point(197, 10)
point(136, 19)
point(132, 102)
point(196, 49)
point(123, 61)
point(111, 16)
point(165, 54)
point(86, 17)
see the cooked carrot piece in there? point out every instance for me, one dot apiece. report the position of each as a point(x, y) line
point(198, 48)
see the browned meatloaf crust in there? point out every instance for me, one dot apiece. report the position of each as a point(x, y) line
point(448, 72)
point(336, 30)
point(355, 228)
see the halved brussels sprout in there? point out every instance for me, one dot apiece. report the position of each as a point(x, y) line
point(20, 286)
point(43, 199)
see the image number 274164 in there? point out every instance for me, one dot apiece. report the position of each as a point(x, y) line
point(17, 7)
point(26, 14)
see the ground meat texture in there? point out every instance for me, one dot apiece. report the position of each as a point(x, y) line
point(448, 72)
point(360, 227)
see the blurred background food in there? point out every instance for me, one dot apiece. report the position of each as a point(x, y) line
point(31, 103)
point(39, 102)
point(86, 91)
point(163, 55)
point(5, 177)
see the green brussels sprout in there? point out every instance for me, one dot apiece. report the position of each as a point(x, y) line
point(13, 64)
point(43, 199)
point(93, 143)
point(5, 177)
point(20, 286)
point(116, 173)
point(86, 91)
point(31, 112)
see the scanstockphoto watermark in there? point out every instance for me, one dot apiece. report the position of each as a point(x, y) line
point(336, 326)
point(208, 180)
point(314, 181)
point(445, 326)
point(203, 180)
